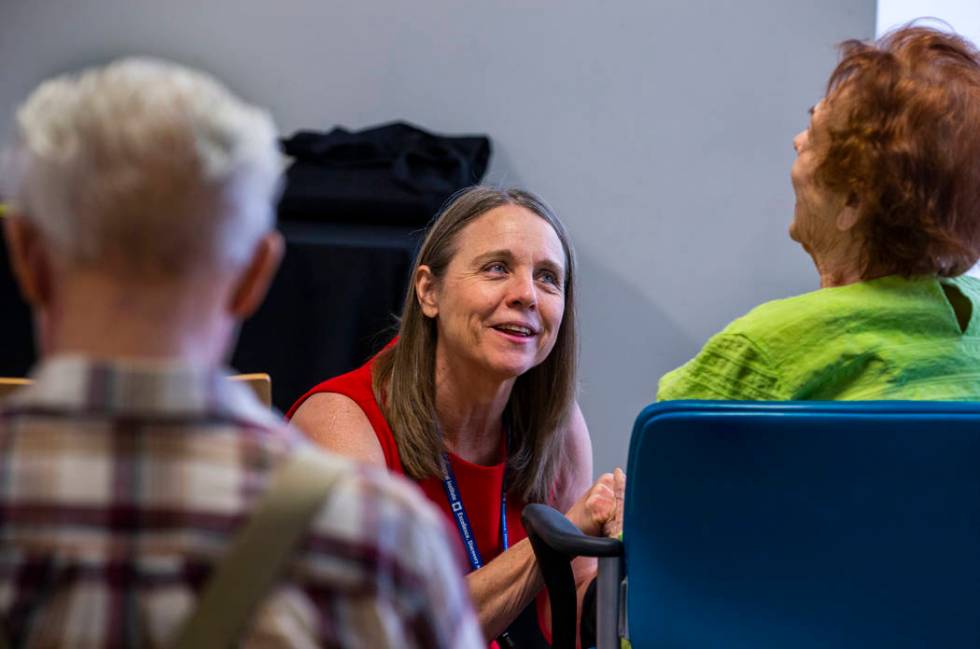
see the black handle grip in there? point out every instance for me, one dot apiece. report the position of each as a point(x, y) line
point(559, 534)
point(556, 542)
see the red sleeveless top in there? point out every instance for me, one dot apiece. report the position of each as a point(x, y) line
point(479, 486)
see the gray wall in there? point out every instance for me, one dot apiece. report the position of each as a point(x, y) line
point(661, 131)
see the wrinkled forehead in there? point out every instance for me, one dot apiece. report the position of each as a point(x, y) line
point(824, 115)
point(513, 228)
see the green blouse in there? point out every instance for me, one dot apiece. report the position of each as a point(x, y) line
point(889, 338)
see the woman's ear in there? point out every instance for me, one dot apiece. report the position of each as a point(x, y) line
point(850, 214)
point(426, 291)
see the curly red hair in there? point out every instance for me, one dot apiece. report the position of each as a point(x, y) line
point(903, 141)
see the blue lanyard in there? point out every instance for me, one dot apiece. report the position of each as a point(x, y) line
point(463, 521)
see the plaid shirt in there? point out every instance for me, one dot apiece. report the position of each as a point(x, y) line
point(121, 484)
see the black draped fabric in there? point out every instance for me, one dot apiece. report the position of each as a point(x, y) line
point(392, 174)
point(16, 334)
point(333, 303)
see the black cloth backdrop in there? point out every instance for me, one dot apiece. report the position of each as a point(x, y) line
point(395, 174)
point(16, 335)
point(333, 303)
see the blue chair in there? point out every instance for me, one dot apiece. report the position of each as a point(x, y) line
point(796, 524)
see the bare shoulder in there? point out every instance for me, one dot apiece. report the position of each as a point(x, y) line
point(337, 423)
point(576, 472)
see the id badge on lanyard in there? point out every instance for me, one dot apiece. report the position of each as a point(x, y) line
point(463, 521)
point(466, 531)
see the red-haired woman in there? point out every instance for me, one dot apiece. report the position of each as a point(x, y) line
point(887, 182)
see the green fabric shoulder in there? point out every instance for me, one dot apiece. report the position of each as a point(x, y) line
point(729, 367)
point(886, 338)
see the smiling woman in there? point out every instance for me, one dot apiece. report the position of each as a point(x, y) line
point(476, 398)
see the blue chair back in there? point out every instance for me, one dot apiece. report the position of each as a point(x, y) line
point(804, 525)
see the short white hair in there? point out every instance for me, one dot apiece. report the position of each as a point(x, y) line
point(146, 167)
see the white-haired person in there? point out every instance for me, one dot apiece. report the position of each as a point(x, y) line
point(132, 469)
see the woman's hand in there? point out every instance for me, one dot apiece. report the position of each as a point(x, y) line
point(600, 510)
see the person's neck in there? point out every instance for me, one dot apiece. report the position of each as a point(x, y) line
point(838, 277)
point(840, 266)
point(470, 406)
point(92, 316)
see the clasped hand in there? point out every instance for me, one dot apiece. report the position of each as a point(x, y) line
point(599, 512)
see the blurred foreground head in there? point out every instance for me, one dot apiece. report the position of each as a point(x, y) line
point(146, 168)
point(144, 179)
